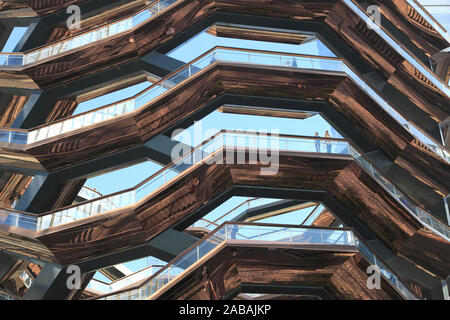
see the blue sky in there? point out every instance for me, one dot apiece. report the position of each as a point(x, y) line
point(14, 39)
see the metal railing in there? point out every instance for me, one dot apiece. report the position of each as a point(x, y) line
point(218, 54)
point(397, 46)
point(256, 234)
point(208, 152)
point(8, 296)
point(122, 25)
point(87, 38)
point(121, 283)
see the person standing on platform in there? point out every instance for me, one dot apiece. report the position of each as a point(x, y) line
point(328, 142)
point(317, 142)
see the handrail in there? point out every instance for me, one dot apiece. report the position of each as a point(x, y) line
point(92, 190)
point(401, 49)
point(90, 208)
point(180, 159)
point(146, 289)
point(178, 70)
point(403, 199)
point(134, 273)
point(128, 105)
point(211, 234)
point(206, 221)
point(348, 69)
point(208, 227)
point(235, 208)
point(158, 6)
point(187, 155)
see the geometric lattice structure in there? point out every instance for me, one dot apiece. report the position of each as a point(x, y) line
point(136, 131)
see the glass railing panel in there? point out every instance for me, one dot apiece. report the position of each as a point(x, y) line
point(106, 288)
point(67, 126)
point(254, 233)
point(151, 185)
point(31, 57)
point(245, 57)
point(230, 215)
point(55, 49)
point(202, 62)
point(5, 136)
point(99, 286)
point(86, 38)
point(177, 78)
point(44, 53)
point(32, 136)
point(15, 60)
point(149, 95)
point(432, 77)
point(19, 137)
point(77, 123)
point(11, 59)
point(416, 211)
point(89, 194)
point(15, 219)
point(259, 233)
point(428, 17)
point(393, 279)
point(10, 136)
point(138, 276)
point(141, 17)
point(54, 129)
point(338, 237)
point(42, 133)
